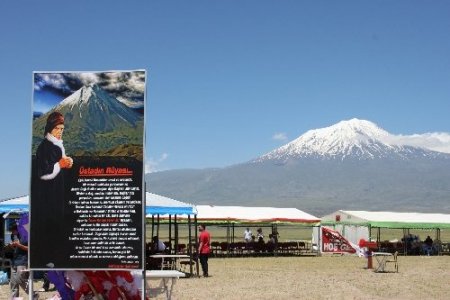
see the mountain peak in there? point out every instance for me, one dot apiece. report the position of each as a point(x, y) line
point(82, 95)
point(353, 138)
point(103, 110)
point(358, 125)
point(96, 119)
point(350, 131)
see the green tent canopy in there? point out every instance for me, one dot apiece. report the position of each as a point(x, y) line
point(383, 219)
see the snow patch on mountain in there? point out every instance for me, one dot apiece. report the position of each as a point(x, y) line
point(353, 138)
point(91, 98)
point(131, 103)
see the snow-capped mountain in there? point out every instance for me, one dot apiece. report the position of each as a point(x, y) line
point(95, 121)
point(352, 165)
point(356, 139)
point(92, 102)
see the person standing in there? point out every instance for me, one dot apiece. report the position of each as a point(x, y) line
point(204, 248)
point(428, 245)
point(248, 235)
point(260, 236)
point(19, 275)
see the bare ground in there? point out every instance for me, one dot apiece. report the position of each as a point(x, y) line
point(343, 277)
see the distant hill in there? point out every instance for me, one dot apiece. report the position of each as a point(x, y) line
point(350, 165)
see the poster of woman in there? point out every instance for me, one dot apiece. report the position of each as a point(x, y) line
point(86, 204)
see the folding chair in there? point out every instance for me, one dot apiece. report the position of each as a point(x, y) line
point(168, 264)
point(186, 266)
point(394, 260)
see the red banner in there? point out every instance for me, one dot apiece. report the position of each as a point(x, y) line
point(333, 241)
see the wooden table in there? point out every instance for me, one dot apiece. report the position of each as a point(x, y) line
point(165, 276)
point(381, 258)
point(174, 257)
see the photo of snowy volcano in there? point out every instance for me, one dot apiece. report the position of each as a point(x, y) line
point(96, 121)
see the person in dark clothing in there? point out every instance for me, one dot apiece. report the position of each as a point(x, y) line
point(47, 207)
point(260, 244)
point(19, 275)
point(428, 245)
point(270, 244)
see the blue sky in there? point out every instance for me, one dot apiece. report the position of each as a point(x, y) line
point(231, 80)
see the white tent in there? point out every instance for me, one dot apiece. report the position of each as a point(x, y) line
point(232, 216)
point(356, 225)
point(243, 214)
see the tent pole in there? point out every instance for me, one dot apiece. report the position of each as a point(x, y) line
point(228, 239)
point(232, 237)
point(319, 241)
point(196, 244)
point(405, 243)
point(170, 234)
point(176, 234)
point(189, 245)
point(378, 237)
point(157, 227)
point(409, 234)
point(438, 240)
point(153, 227)
point(275, 236)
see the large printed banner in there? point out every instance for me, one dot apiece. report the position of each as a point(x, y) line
point(333, 241)
point(87, 197)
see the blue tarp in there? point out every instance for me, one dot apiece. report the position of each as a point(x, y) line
point(19, 204)
point(160, 205)
point(155, 204)
point(16, 207)
point(167, 210)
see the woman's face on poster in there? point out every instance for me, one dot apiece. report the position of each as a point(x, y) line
point(58, 131)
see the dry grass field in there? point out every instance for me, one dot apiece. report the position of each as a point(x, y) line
point(336, 277)
point(323, 277)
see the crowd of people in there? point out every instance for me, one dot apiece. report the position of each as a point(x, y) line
point(415, 246)
point(257, 242)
